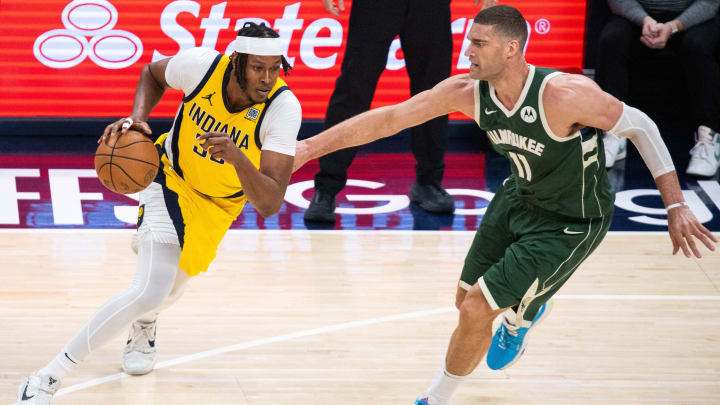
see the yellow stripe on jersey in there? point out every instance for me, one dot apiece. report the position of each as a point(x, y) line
point(207, 110)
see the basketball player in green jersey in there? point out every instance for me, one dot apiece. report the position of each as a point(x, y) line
point(555, 207)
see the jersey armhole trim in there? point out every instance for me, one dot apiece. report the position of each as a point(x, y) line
point(543, 118)
point(262, 114)
point(204, 79)
point(175, 140)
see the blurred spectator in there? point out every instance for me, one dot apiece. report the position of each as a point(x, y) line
point(690, 28)
point(424, 30)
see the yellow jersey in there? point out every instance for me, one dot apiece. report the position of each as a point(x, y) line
point(207, 109)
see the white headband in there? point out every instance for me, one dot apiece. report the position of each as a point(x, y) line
point(259, 46)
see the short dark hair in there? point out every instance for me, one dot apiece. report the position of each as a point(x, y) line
point(251, 29)
point(507, 20)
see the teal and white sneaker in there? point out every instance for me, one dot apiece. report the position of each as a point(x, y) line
point(705, 159)
point(615, 148)
point(425, 399)
point(509, 341)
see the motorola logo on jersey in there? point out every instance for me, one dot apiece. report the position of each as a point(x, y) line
point(528, 114)
point(88, 33)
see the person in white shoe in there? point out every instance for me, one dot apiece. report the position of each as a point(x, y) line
point(637, 30)
point(232, 141)
point(705, 155)
point(615, 148)
point(555, 207)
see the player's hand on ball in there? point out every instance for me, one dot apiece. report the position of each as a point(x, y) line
point(121, 126)
point(220, 146)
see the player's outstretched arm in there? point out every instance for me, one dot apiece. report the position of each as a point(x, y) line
point(150, 89)
point(575, 99)
point(448, 96)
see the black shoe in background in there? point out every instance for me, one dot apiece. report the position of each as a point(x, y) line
point(432, 198)
point(322, 208)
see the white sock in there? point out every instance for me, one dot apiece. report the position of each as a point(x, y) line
point(62, 364)
point(443, 386)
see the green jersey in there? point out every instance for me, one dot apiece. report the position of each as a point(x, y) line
point(562, 175)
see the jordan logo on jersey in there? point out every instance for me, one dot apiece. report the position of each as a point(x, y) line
point(209, 97)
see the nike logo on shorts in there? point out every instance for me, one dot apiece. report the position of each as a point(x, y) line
point(569, 232)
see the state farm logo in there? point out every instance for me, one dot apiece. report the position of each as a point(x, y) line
point(89, 33)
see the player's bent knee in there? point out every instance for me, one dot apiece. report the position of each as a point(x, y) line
point(150, 296)
point(460, 297)
point(176, 292)
point(148, 301)
point(475, 310)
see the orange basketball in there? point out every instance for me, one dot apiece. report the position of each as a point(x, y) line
point(127, 163)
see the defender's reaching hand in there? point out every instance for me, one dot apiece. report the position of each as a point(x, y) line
point(302, 155)
point(682, 226)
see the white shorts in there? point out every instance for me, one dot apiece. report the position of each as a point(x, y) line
point(153, 218)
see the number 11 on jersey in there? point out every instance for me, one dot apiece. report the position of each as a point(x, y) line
point(522, 165)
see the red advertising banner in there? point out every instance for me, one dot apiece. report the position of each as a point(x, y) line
point(82, 58)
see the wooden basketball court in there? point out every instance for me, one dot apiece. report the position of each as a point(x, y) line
point(361, 317)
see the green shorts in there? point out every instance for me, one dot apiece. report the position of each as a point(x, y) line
point(522, 255)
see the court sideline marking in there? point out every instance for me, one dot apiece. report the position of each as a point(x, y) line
point(366, 322)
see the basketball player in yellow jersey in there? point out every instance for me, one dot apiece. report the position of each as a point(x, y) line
point(232, 141)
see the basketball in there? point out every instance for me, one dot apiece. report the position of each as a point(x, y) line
point(127, 163)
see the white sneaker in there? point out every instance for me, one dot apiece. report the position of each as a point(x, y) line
point(140, 355)
point(615, 148)
point(705, 158)
point(37, 389)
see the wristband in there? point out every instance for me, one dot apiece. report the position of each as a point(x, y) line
point(673, 28)
point(679, 204)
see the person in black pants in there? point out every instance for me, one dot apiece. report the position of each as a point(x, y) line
point(424, 30)
point(691, 28)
